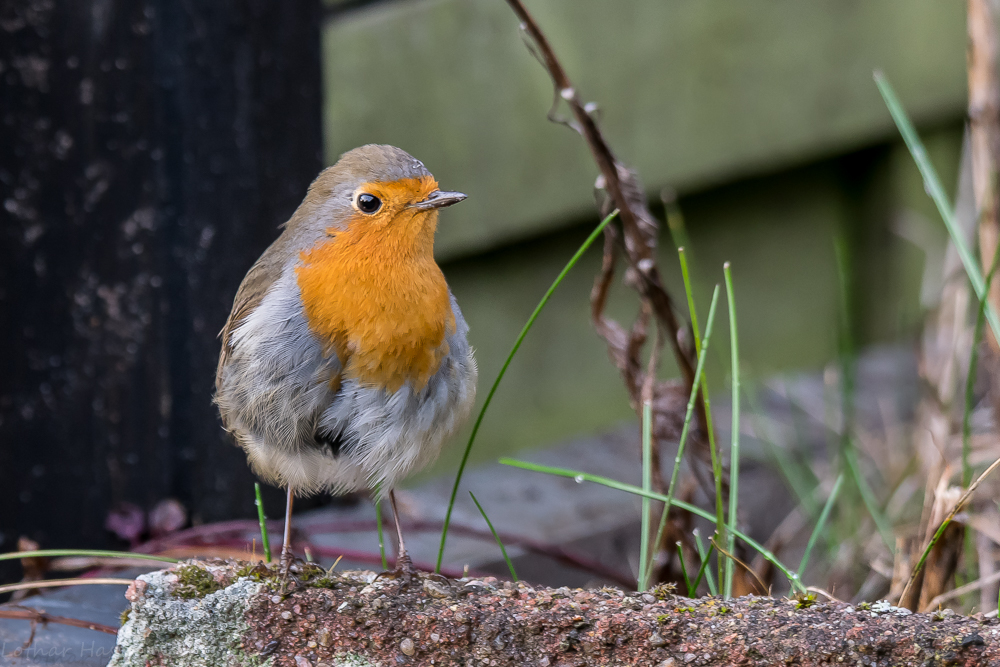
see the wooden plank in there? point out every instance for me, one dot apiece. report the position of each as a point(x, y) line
point(693, 92)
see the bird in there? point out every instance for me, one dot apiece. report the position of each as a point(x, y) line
point(345, 362)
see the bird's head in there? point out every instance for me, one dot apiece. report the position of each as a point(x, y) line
point(375, 190)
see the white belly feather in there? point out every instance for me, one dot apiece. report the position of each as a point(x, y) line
point(275, 393)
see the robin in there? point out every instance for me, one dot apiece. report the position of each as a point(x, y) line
point(344, 363)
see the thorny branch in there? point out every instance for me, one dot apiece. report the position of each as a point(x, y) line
point(638, 238)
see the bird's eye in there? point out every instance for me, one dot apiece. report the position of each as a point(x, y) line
point(368, 203)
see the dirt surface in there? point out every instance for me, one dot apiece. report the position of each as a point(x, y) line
point(436, 621)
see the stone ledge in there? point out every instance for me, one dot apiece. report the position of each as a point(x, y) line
point(358, 618)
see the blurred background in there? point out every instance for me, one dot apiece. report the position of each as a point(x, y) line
point(149, 151)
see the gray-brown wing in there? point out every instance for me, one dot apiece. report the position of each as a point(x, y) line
point(258, 280)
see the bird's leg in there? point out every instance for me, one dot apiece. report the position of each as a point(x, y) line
point(403, 563)
point(286, 546)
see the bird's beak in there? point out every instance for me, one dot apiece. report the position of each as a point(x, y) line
point(438, 199)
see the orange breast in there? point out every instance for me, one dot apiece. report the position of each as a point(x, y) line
point(378, 300)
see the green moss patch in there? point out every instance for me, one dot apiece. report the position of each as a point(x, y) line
point(195, 582)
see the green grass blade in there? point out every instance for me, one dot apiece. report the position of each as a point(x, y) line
point(693, 397)
point(932, 184)
point(496, 383)
point(381, 536)
point(510, 565)
point(703, 570)
point(96, 553)
point(821, 524)
point(647, 484)
point(706, 556)
point(688, 292)
point(635, 490)
point(882, 522)
point(684, 571)
point(263, 522)
point(734, 452)
point(720, 520)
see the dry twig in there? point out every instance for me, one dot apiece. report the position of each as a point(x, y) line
point(760, 582)
point(970, 587)
point(944, 524)
point(39, 616)
point(56, 583)
point(984, 132)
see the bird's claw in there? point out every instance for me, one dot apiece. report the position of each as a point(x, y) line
point(404, 571)
point(285, 567)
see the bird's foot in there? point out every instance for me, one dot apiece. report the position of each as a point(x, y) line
point(285, 566)
point(404, 571)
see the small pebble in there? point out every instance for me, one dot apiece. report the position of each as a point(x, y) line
point(690, 657)
point(407, 647)
point(286, 615)
point(302, 661)
point(656, 640)
point(435, 589)
point(297, 609)
point(323, 636)
point(275, 599)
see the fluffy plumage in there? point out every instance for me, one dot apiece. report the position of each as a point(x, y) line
point(345, 363)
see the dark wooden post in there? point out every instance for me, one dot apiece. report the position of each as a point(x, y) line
point(148, 152)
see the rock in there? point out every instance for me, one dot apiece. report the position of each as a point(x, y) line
point(229, 619)
point(198, 632)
